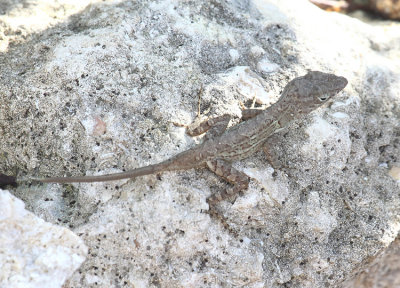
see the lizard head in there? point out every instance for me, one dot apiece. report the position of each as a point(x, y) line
point(312, 90)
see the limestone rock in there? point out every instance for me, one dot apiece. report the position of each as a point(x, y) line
point(98, 90)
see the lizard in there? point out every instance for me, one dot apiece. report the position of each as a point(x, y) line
point(300, 96)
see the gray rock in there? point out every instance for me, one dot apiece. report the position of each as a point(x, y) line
point(99, 90)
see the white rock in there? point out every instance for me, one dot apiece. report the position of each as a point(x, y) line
point(34, 253)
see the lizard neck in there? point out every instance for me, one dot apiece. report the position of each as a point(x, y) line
point(278, 116)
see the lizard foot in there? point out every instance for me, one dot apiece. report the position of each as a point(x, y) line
point(215, 214)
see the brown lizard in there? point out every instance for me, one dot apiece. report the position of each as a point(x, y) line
point(300, 96)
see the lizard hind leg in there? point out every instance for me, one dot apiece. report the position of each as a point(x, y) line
point(239, 180)
point(225, 170)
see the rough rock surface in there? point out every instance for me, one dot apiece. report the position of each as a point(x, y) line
point(98, 90)
point(382, 270)
point(34, 253)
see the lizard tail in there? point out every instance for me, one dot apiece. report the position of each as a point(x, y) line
point(151, 169)
point(147, 170)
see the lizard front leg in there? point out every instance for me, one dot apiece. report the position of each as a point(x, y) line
point(239, 180)
point(250, 113)
point(272, 158)
point(213, 126)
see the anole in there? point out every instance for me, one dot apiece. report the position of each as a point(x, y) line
point(300, 96)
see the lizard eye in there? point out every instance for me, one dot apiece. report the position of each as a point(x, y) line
point(323, 97)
